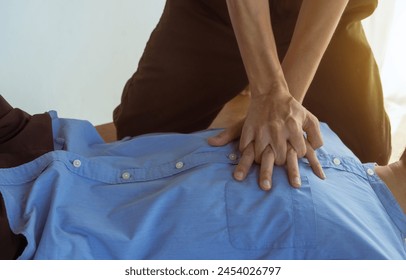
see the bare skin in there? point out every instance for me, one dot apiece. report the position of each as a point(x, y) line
point(394, 176)
point(272, 132)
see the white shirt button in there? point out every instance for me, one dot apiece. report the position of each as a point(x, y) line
point(77, 163)
point(126, 175)
point(370, 172)
point(336, 161)
point(232, 157)
point(179, 165)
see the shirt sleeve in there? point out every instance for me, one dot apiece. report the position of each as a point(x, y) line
point(22, 138)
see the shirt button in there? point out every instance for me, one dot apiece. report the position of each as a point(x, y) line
point(179, 165)
point(336, 161)
point(126, 175)
point(232, 157)
point(77, 163)
point(370, 172)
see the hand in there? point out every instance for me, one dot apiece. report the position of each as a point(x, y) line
point(277, 121)
point(267, 159)
point(267, 164)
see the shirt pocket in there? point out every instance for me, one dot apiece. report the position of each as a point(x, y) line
point(281, 218)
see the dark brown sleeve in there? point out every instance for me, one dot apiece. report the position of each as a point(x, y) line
point(22, 139)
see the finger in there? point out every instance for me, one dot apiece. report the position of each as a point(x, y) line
point(296, 138)
point(293, 168)
point(299, 145)
point(312, 128)
point(247, 137)
point(278, 144)
point(260, 144)
point(226, 136)
point(266, 170)
point(314, 162)
point(246, 161)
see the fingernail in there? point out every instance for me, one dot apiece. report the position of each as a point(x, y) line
point(266, 185)
point(297, 182)
point(239, 175)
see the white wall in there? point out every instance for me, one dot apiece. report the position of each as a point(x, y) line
point(73, 56)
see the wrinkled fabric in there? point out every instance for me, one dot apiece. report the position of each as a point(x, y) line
point(172, 196)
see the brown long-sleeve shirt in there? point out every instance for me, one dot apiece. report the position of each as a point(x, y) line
point(22, 138)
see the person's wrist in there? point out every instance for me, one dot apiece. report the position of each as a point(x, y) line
point(272, 89)
point(267, 81)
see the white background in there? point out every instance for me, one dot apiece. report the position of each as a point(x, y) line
point(289, 270)
point(73, 56)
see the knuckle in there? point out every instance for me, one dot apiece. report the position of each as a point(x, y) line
point(293, 126)
point(319, 143)
point(274, 127)
point(291, 150)
point(301, 152)
point(312, 124)
point(297, 151)
point(267, 152)
point(280, 159)
point(316, 143)
point(312, 117)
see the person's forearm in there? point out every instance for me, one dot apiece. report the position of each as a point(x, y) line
point(314, 29)
point(252, 27)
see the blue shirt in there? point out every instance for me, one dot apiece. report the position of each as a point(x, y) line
point(172, 196)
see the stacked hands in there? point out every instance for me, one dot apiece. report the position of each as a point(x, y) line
point(276, 131)
point(274, 128)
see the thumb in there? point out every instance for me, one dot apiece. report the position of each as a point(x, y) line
point(226, 136)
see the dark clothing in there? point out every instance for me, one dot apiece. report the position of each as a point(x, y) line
point(22, 138)
point(191, 67)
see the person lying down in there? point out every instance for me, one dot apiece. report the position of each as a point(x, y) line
point(69, 195)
